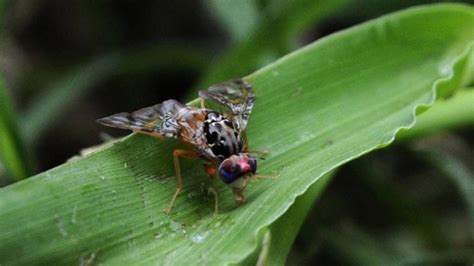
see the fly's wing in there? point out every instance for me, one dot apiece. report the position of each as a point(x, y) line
point(157, 120)
point(237, 96)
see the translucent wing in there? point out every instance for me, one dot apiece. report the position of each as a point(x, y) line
point(158, 119)
point(236, 95)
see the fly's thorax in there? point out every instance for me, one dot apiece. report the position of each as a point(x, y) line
point(222, 135)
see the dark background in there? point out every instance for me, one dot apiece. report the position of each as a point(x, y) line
point(394, 202)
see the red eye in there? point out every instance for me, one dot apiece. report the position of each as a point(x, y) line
point(248, 165)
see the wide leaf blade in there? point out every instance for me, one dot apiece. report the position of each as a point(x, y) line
point(317, 108)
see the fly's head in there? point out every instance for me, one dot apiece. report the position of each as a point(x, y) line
point(236, 171)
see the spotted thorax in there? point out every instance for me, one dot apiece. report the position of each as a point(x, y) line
point(216, 137)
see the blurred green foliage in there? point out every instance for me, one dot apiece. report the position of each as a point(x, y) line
point(426, 192)
point(13, 154)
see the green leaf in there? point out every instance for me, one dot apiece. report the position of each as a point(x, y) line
point(279, 237)
point(48, 107)
point(461, 175)
point(422, 222)
point(447, 114)
point(356, 247)
point(13, 155)
point(238, 17)
point(316, 109)
point(179, 56)
point(279, 25)
point(285, 229)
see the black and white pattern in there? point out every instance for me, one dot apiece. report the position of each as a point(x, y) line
point(222, 136)
point(215, 136)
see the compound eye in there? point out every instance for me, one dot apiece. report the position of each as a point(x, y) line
point(229, 171)
point(253, 165)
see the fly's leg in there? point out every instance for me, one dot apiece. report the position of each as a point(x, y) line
point(179, 186)
point(153, 134)
point(259, 176)
point(215, 191)
point(261, 154)
point(239, 196)
point(203, 106)
point(212, 171)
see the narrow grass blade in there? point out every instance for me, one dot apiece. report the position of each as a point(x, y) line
point(270, 37)
point(13, 155)
point(355, 247)
point(421, 221)
point(237, 17)
point(284, 230)
point(49, 106)
point(459, 173)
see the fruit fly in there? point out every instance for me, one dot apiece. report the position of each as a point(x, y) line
point(216, 137)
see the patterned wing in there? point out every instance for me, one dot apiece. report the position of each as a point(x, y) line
point(236, 95)
point(158, 119)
